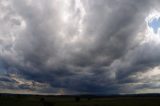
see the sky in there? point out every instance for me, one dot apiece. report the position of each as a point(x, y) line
point(79, 46)
point(155, 24)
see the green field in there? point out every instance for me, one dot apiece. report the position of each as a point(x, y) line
point(30, 100)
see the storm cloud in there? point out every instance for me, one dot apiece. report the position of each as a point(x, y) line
point(78, 47)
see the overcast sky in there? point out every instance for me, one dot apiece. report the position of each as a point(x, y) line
point(80, 46)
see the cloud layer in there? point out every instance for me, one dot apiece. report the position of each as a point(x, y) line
point(78, 46)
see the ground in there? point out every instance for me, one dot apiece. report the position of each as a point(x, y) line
point(35, 100)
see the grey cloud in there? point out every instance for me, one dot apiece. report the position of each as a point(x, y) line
point(44, 49)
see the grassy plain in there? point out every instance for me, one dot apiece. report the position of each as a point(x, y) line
point(39, 100)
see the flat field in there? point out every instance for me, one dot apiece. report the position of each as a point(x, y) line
point(39, 100)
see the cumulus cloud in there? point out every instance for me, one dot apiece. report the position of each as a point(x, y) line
point(78, 46)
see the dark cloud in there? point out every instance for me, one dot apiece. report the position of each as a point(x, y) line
point(82, 46)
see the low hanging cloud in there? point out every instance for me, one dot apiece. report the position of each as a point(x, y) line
point(78, 46)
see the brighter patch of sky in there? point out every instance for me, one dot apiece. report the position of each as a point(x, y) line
point(155, 24)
